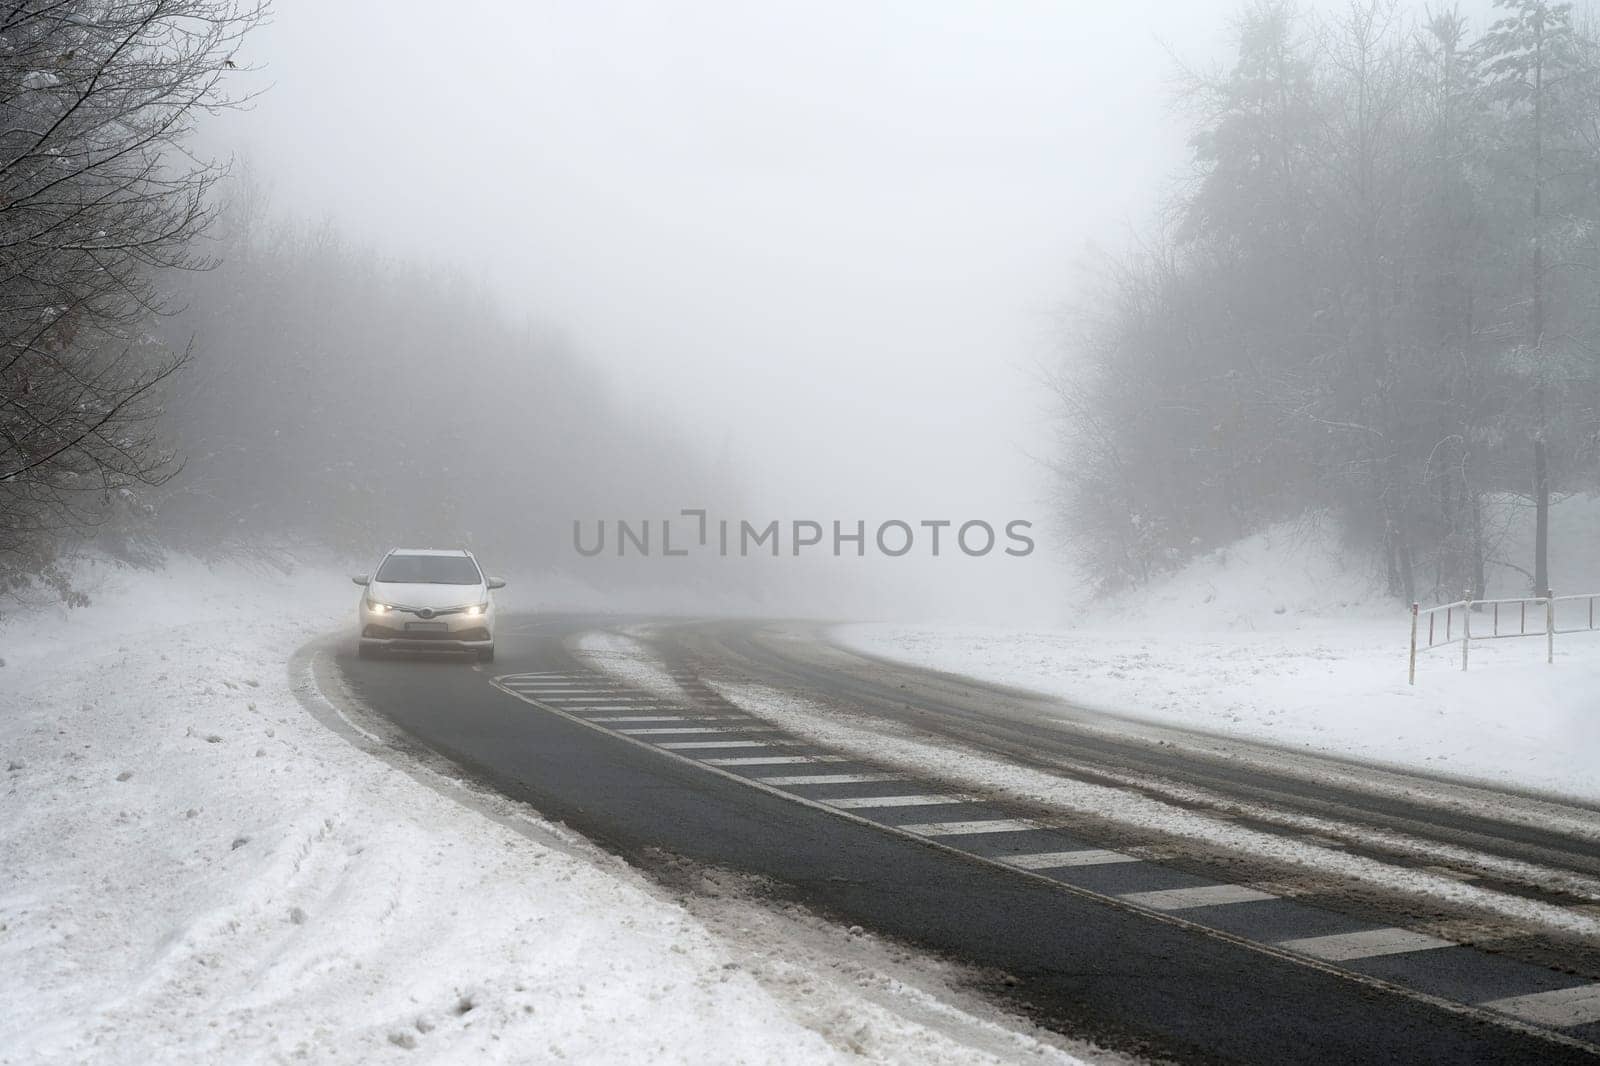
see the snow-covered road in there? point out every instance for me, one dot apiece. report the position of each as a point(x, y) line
point(193, 869)
point(1378, 870)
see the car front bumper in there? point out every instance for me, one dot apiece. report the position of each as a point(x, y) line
point(446, 634)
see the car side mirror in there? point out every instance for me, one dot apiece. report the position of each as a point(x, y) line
point(361, 579)
point(496, 582)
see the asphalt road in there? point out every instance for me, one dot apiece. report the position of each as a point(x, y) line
point(1176, 958)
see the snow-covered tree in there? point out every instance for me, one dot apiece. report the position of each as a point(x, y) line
point(98, 197)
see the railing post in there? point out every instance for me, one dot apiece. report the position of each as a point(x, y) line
point(1466, 628)
point(1550, 625)
point(1412, 675)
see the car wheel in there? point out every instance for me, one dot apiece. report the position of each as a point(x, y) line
point(367, 651)
point(486, 655)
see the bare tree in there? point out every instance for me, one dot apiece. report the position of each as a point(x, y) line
point(1532, 56)
point(98, 196)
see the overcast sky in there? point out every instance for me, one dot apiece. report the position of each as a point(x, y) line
point(829, 237)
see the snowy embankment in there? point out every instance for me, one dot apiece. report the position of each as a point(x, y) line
point(194, 869)
point(1281, 640)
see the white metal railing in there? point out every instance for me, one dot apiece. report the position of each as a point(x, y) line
point(1448, 623)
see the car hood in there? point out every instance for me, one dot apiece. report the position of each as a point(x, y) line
point(400, 594)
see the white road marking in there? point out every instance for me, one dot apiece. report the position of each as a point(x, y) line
point(1558, 1009)
point(570, 690)
point(1051, 860)
point(590, 698)
point(861, 802)
point(952, 829)
point(656, 718)
point(637, 708)
point(829, 779)
point(1182, 899)
point(578, 687)
point(590, 708)
point(587, 709)
point(773, 760)
point(589, 690)
point(1565, 1007)
point(1341, 947)
point(681, 729)
point(590, 684)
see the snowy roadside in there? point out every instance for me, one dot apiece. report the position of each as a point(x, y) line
point(193, 869)
point(1334, 689)
point(1277, 642)
point(893, 744)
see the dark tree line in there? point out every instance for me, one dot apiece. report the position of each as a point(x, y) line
point(343, 398)
point(1378, 295)
point(178, 368)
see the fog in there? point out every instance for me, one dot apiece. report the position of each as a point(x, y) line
point(1143, 280)
point(831, 242)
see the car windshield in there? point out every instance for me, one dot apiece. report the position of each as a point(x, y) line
point(429, 570)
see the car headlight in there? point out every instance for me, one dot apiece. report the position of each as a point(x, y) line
point(476, 610)
point(378, 608)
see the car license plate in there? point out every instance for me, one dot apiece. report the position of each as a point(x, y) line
point(425, 627)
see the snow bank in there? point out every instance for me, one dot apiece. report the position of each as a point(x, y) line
point(192, 869)
point(1273, 580)
point(1285, 639)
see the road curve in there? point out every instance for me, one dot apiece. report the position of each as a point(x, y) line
point(1180, 957)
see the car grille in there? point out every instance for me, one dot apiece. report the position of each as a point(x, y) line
point(432, 612)
point(388, 633)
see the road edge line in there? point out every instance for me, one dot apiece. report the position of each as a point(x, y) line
point(1468, 1010)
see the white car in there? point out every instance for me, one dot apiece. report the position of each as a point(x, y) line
point(425, 599)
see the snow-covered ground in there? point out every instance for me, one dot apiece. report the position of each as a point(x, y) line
point(1284, 640)
point(194, 869)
